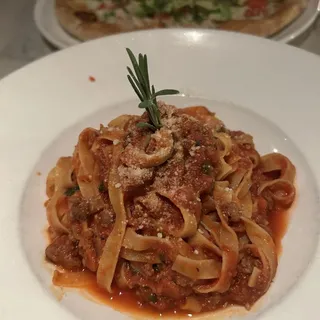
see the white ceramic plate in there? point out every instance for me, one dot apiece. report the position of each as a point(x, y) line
point(50, 28)
point(48, 25)
point(259, 86)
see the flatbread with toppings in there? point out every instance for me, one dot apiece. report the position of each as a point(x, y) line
point(90, 19)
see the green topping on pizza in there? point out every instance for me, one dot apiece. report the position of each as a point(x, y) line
point(178, 11)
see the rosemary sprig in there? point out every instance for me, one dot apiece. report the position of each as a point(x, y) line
point(140, 82)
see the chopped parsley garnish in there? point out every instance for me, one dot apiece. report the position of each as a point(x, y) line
point(102, 187)
point(225, 11)
point(147, 10)
point(71, 191)
point(153, 298)
point(206, 168)
point(108, 15)
point(176, 16)
point(156, 267)
point(197, 10)
point(198, 16)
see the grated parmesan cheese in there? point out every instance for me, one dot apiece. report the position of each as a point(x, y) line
point(133, 176)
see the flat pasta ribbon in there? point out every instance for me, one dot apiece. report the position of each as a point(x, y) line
point(164, 147)
point(59, 180)
point(111, 250)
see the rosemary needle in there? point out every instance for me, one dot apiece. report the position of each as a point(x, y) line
point(140, 82)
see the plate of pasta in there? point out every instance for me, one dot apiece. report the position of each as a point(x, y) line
point(136, 202)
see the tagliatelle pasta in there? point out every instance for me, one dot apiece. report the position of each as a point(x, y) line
point(179, 216)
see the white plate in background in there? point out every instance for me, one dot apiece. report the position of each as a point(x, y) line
point(48, 25)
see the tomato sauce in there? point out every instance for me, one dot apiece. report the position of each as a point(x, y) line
point(126, 301)
point(278, 223)
point(198, 153)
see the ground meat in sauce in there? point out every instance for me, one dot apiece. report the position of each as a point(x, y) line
point(190, 175)
point(64, 252)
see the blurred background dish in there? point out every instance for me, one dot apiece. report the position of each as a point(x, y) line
point(49, 26)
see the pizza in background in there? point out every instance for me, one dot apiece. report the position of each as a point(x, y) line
point(90, 19)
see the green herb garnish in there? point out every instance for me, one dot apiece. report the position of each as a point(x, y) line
point(206, 168)
point(197, 14)
point(71, 191)
point(102, 187)
point(225, 11)
point(108, 15)
point(153, 298)
point(156, 267)
point(198, 143)
point(147, 94)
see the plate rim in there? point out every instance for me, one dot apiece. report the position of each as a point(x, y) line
point(39, 7)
